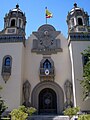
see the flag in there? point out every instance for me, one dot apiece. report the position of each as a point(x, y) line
point(48, 14)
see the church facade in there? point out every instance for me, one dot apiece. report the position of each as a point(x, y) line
point(45, 70)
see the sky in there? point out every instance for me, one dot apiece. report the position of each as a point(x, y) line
point(35, 12)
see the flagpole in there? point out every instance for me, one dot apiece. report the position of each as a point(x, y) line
point(45, 15)
point(46, 20)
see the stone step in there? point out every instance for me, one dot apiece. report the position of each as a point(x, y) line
point(47, 117)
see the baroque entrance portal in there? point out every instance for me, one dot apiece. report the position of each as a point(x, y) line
point(48, 98)
point(47, 101)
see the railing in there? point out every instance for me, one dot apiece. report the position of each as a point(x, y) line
point(51, 72)
point(6, 72)
point(47, 74)
point(6, 69)
point(82, 28)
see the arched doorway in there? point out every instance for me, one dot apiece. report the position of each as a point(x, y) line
point(47, 101)
point(54, 89)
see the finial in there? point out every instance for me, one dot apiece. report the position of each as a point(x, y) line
point(75, 4)
point(17, 6)
point(45, 7)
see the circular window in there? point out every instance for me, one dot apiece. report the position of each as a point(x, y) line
point(46, 72)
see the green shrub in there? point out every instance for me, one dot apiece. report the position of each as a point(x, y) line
point(31, 110)
point(2, 105)
point(27, 110)
point(17, 114)
point(84, 117)
point(22, 113)
point(71, 111)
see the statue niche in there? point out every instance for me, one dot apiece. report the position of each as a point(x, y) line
point(68, 93)
point(26, 93)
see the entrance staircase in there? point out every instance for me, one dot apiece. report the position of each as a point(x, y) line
point(48, 117)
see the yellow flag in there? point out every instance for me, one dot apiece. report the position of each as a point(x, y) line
point(48, 14)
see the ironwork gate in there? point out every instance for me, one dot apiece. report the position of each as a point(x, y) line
point(47, 101)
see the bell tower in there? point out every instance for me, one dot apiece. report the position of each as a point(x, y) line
point(15, 22)
point(77, 20)
point(78, 41)
point(14, 26)
point(12, 45)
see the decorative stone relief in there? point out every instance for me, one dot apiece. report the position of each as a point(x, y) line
point(68, 93)
point(46, 42)
point(26, 93)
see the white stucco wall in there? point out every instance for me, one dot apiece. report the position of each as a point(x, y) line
point(11, 92)
point(26, 64)
point(32, 64)
point(76, 48)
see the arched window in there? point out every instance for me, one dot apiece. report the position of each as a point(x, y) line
point(47, 64)
point(7, 61)
point(47, 70)
point(6, 67)
point(80, 22)
point(13, 23)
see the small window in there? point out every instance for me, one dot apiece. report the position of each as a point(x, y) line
point(80, 21)
point(47, 64)
point(47, 70)
point(7, 61)
point(13, 23)
point(6, 67)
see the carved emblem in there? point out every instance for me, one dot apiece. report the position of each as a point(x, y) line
point(46, 39)
point(46, 42)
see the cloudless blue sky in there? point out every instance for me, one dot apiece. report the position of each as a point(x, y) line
point(35, 12)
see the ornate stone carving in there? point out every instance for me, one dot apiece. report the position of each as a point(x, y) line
point(79, 36)
point(68, 93)
point(26, 93)
point(4, 38)
point(46, 42)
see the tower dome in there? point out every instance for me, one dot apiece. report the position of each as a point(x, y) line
point(15, 21)
point(16, 9)
point(75, 9)
point(77, 20)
